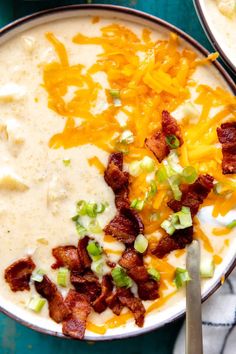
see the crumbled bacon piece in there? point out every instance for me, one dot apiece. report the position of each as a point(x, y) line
point(18, 274)
point(84, 258)
point(66, 256)
point(157, 141)
point(130, 258)
point(75, 324)
point(138, 274)
point(58, 310)
point(87, 284)
point(170, 126)
point(157, 144)
point(114, 303)
point(100, 304)
point(114, 175)
point(118, 180)
point(125, 226)
point(133, 303)
point(122, 199)
point(179, 240)
point(110, 264)
point(148, 289)
point(124, 297)
point(132, 261)
point(227, 137)
point(193, 194)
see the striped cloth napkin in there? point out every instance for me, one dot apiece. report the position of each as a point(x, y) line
point(218, 320)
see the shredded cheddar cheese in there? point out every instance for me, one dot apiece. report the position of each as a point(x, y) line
point(94, 161)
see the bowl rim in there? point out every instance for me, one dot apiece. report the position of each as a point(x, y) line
point(156, 20)
point(211, 37)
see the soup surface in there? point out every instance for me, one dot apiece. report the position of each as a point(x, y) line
point(221, 18)
point(71, 93)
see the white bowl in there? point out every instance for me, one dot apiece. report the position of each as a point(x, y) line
point(173, 310)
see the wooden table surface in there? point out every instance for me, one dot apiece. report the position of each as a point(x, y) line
point(16, 339)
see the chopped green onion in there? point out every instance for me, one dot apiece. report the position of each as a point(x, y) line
point(152, 189)
point(185, 218)
point(67, 162)
point(231, 225)
point(174, 182)
point(181, 277)
point(97, 266)
point(36, 303)
point(141, 243)
point(121, 147)
point(168, 227)
point(189, 175)
point(154, 274)
point(90, 209)
point(38, 275)
point(94, 227)
point(101, 207)
point(75, 218)
point(161, 174)
point(81, 207)
point(94, 250)
point(207, 267)
point(81, 230)
point(117, 102)
point(115, 93)
point(172, 141)
point(173, 166)
point(127, 137)
point(62, 277)
point(217, 189)
point(221, 189)
point(135, 168)
point(180, 220)
point(154, 216)
point(120, 278)
point(137, 204)
point(147, 164)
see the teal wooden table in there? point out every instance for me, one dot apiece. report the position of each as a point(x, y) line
point(16, 339)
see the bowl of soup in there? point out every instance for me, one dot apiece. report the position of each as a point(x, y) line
point(218, 18)
point(117, 150)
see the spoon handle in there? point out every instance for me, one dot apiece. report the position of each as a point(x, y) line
point(193, 301)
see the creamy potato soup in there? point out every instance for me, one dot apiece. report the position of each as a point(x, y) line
point(221, 18)
point(73, 93)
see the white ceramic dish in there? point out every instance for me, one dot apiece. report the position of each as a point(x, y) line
point(215, 73)
point(220, 30)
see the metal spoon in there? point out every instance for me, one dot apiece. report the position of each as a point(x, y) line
point(193, 333)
